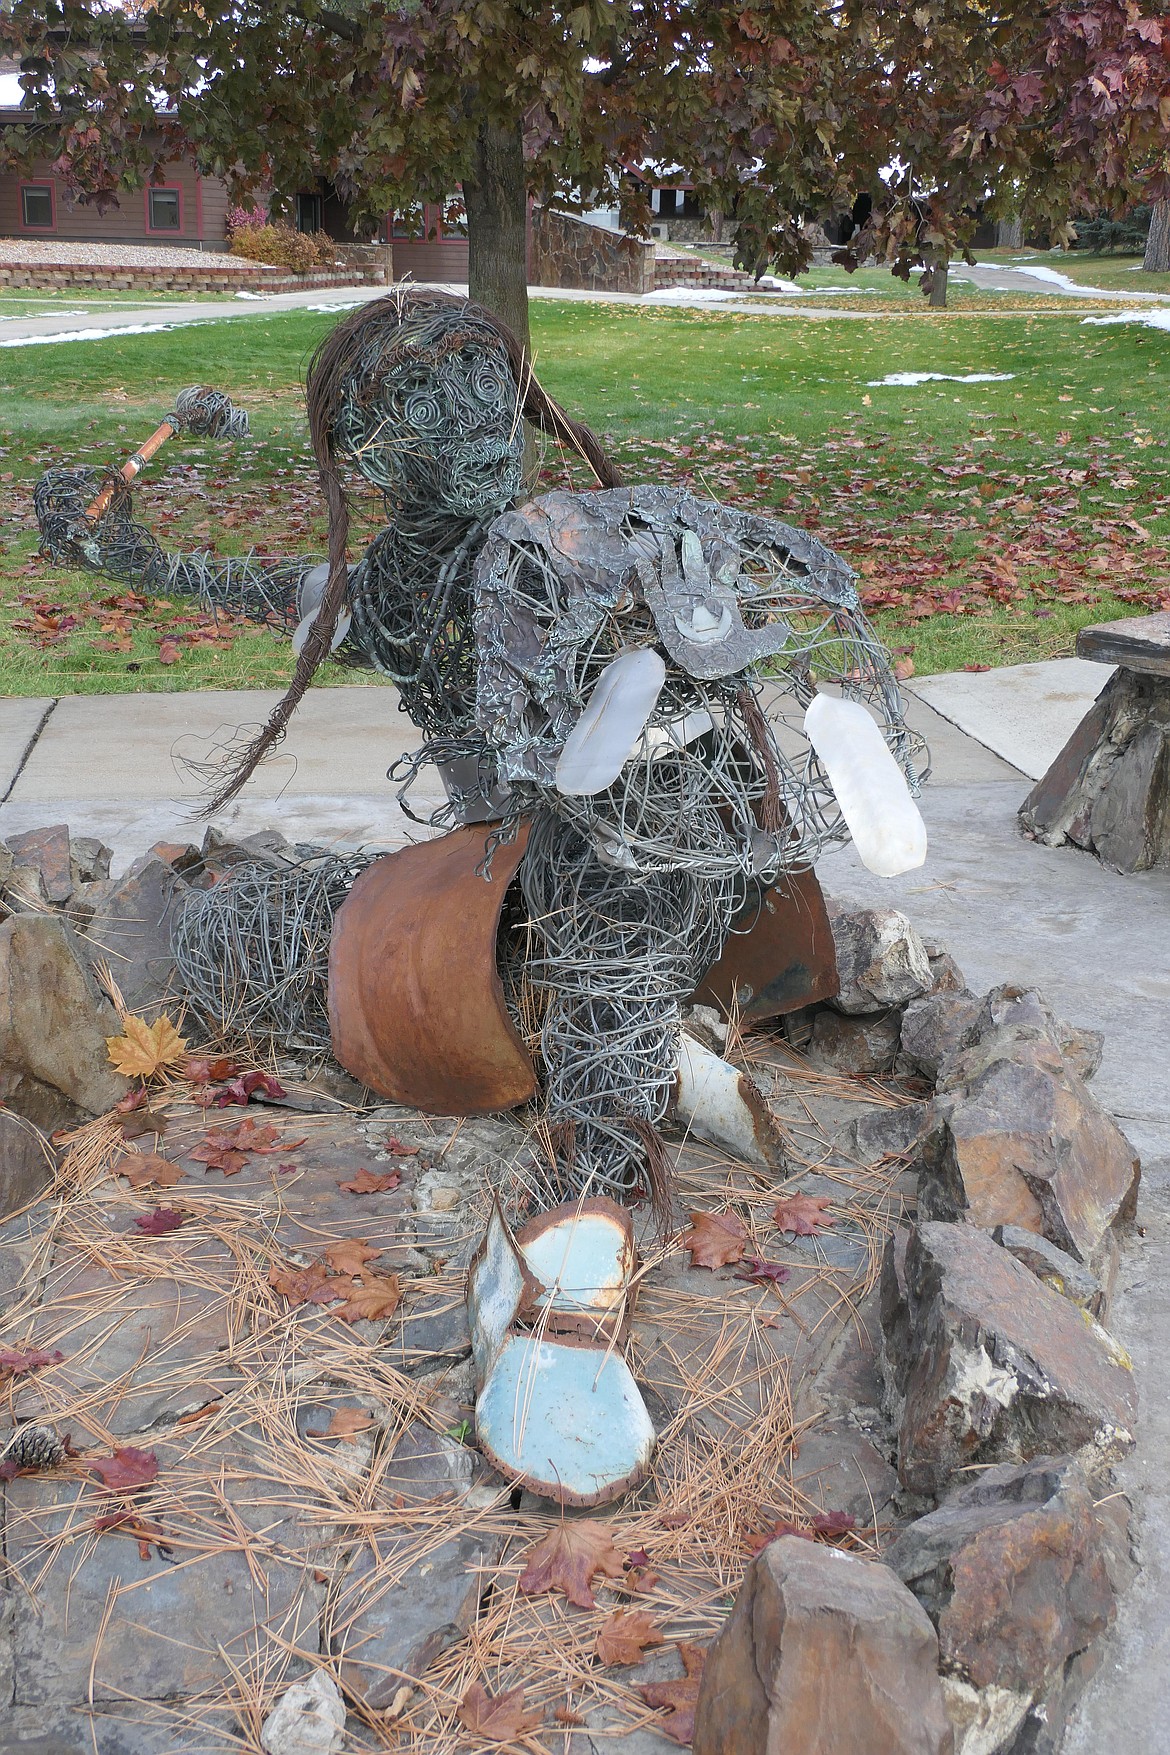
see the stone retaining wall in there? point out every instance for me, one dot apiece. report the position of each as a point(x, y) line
point(60, 276)
point(566, 251)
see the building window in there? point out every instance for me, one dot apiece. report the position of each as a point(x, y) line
point(165, 210)
point(309, 213)
point(36, 207)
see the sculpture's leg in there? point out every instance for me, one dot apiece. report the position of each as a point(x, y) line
point(617, 955)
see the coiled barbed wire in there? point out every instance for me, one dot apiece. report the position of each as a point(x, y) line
point(252, 952)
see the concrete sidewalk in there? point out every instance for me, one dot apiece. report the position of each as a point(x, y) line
point(1097, 943)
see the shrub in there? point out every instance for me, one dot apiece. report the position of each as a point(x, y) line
point(278, 245)
point(239, 218)
point(1104, 233)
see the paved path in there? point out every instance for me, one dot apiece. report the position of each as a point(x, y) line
point(1096, 942)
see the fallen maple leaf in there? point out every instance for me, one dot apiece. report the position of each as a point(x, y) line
point(977, 667)
point(138, 1122)
point(499, 1717)
point(14, 1363)
point(297, 1284)
point(345, 1422)
point(141, 1169)
point(158, 1222)
point(624, 1636)
point(369, 1182)
point(825, 1523)
point(168, 651)
point(350, 1255)
point(715, 1239)
point(204, 1071)
point(126, 1523)
point(127, 1468)
point(763, 1273)
point(144, 1048)
point(681, 1696)
point(377, 1297)
point(243, 1089)
point(132, 1100)
point(396, 1148)
point(567, 1558)
point(803, 1214)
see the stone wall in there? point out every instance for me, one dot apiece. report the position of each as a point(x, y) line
point(57, 276)
point(566, 251)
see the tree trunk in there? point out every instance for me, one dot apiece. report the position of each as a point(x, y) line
point(496, 199)
point(1157, 257)
point(1009, 233)
point(938, 285)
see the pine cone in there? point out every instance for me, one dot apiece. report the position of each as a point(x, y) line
point(34, 1447)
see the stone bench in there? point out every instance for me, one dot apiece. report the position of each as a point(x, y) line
point(1108, 790)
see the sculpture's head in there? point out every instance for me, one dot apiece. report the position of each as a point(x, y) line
point(426, 395)
point(427, 405)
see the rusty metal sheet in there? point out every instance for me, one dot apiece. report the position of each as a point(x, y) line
point(779, 955)
point(416, 1007)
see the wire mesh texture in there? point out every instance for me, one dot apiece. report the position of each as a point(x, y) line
point(252, 952)
point(499, 621)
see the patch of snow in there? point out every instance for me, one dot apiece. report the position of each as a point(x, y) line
point(909, 378)
point(1156, 319)
point(86, 334)
point(350, 305)
point(776, 284)
point(689, 295)
point(252, 295)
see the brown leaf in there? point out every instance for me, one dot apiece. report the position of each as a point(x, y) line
point(681, 1697)
point(368, 1182)
point(143, 1169)
point(350, 1255)
point(143, 1048)
point(127, 1468)
point(377, 1297)
point(625, 1635)
point(296, 1284)
point(567, 1558)
point(396, 1148)
point(715, 1239)
point(138, 1122)
point(159, 1221)
point(499, 1717)
point(347, 1421)
point(218, 1155)
point(202, 1070)
point(803, 1214)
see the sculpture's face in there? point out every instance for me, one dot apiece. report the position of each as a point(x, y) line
point(444, 435)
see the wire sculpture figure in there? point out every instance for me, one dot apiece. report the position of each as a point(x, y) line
point(627, 668)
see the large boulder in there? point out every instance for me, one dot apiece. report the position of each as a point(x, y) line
point(826, 1654)
point(984, 1363)
point(30, 1114)
point(54, 1019)
point(1019, 1572)
point(131, 930)
point(856, 1047)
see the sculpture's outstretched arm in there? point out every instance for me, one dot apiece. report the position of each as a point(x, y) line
point(116, 544)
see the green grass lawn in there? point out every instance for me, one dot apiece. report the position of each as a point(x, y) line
point(1089, 268)
point(987, 521)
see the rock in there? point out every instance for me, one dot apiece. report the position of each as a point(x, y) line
point(89, 858)
point(387, 1625)
point(948, 977)
point(1068, 1277)
point(881, 961)
point(855, 1046)
point(308, 1719)
point(890, 1133)
point(986, 1364)
point(131, 930)
point(46, 851)
point(826, 1654)
point(54, 1020)
point(1017, 1023)
point(1023, 1142)
point(30, 1113)
point(1020, 1573)
point(935, 1027)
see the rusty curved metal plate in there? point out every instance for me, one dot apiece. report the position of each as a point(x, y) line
point(416, 1006)
point(779, 955)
